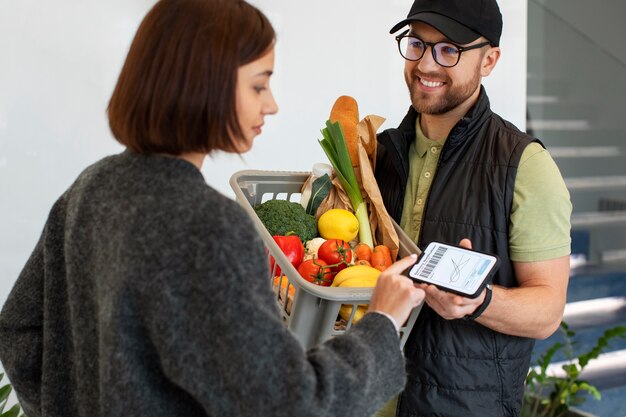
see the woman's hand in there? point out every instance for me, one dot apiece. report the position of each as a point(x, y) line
point(395, 294)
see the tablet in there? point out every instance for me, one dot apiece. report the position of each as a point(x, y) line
point(455, 269)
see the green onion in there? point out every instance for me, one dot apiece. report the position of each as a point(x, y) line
point(334, 145)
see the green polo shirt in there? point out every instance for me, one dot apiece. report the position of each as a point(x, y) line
point(540, 216)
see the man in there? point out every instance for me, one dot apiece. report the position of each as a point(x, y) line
point(453, 170)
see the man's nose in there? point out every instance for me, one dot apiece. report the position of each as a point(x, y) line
point(427, 63)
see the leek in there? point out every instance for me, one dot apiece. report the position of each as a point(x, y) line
point(334, 145)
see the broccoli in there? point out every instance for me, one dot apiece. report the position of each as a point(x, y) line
point(281, 217)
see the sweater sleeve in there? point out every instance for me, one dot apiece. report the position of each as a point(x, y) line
point(220, 338)
point(21, 337)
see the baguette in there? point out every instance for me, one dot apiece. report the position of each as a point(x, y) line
point(346, 112)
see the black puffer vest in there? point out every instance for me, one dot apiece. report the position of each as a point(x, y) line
point(458, 368)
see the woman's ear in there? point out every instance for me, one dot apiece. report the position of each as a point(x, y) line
point(490, 59)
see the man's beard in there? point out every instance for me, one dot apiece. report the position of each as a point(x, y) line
point(457, 94)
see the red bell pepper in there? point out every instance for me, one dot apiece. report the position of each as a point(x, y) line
point(293, 249)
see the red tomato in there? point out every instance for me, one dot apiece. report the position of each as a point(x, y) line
point(317, 272)
point(336, 253)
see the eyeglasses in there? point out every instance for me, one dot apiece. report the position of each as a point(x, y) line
point(445, 54)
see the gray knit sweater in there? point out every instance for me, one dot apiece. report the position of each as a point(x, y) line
point(145, 297)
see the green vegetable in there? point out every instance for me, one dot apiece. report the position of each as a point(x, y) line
point(319, 191)
point(334, 145)
point(282, 218)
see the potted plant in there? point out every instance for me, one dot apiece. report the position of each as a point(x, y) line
point(556, 396)
point(5, 391)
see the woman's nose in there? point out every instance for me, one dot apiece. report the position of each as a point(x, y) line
point(270, 106)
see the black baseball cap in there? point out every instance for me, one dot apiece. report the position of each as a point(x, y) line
point(461, 21)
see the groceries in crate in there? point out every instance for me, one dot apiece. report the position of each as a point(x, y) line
point(381, 257)
point(332, 256)
point(287, 290)
point(336, 149)
point(312, 247)
point(345, 111)
point(281, 217)
point(317, 187)
point(336, 253)
point(326, 262)
point(316, 271)
point(293, 249)
point(338, 224)
point(358, 276)
point(348, 205)
point(350, 146)
point(363, 252)
point(351, 238)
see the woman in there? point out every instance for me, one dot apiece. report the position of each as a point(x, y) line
point(143, 296)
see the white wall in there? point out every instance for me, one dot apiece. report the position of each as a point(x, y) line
point(60, 61)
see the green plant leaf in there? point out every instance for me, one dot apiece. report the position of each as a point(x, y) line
point(546, 358)
point(319, 191)
point(565, 329)
point(571, 369)
point(601, 344)
point(13, 412)
point(560, 393)
point(5, 391)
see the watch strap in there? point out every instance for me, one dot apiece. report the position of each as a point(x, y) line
point(483, 306)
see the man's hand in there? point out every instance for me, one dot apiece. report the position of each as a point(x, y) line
point(448, 305)
point(542, 289)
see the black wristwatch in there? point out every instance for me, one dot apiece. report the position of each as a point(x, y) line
point(483, 306)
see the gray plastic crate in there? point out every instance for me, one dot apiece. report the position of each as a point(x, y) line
point(312, 312)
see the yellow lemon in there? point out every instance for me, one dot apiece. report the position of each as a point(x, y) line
point(338, 224)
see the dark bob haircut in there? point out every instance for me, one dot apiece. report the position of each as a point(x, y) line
point(176, 90)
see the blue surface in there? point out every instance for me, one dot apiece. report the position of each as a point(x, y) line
point(594, 282)
point(612, 404)
point(589, 283)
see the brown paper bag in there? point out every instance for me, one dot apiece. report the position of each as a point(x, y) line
point(383, 232)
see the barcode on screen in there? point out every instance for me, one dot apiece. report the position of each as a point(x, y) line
point(432, 262)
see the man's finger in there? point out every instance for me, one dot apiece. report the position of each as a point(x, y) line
point(466, 243)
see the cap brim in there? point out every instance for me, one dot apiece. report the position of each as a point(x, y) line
point(452, 29)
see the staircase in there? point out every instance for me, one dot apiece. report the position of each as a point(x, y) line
point(573, 111)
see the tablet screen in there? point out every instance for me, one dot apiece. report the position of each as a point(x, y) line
point(454, 268)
